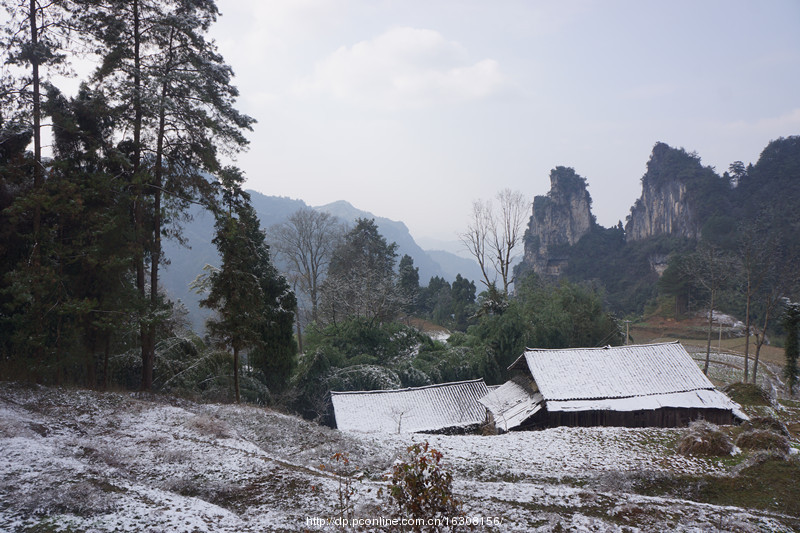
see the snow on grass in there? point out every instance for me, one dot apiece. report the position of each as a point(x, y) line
point(74, 460)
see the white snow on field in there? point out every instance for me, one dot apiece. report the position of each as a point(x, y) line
point(83, 461)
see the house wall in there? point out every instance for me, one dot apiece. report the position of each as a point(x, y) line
point(665, 417)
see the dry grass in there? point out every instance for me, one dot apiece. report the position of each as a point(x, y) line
point(747, 394)
point(704, 438)
point(762, 439)
point(767, 423)
point(211, 426)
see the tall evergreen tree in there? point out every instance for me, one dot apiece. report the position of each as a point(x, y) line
point(172, 92)
point(408, 283)
point(32, 41)
point(253, 303)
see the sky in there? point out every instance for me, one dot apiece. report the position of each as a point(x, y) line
point(413, 109)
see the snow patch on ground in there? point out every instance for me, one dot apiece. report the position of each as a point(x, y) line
point(90, 461)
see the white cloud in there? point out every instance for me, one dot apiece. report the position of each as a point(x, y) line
point(786, 124)
point(404, 68)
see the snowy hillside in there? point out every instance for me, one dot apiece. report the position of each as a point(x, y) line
point(76, 460)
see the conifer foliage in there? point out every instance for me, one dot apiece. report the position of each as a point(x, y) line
point(81, 230)
point(246, 291)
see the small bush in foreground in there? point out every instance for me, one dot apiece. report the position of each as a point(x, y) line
point(704, 438)
point(422, 489)
point(762, 439)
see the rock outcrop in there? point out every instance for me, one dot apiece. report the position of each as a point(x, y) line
point(665, 206)
point(558, 221)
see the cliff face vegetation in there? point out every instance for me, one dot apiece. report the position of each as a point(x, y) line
point(682, 203)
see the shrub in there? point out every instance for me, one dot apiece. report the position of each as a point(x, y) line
point(762, 439)
point(346, 489)
point(704, 438)
point(421, 489)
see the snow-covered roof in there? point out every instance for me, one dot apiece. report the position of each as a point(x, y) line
point(613, 372)
point(698, 399)
point(513, 403)
point(430, 408)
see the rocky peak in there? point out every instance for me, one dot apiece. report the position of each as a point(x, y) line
point(665, 206)
point(558, 220)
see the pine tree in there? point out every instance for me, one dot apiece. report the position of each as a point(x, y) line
point(31, 41)
point(173, 92)
point(408, 283)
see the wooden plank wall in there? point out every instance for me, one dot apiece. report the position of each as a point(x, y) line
point(666, 417)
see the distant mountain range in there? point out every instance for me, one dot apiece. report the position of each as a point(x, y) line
point(187, 262)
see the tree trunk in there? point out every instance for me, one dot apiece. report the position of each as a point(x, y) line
point(747, 333)
point(38, 183)
point(38, 178)
point(148, 356)
point(710, 327)
point(236, 372)
point(299, 332)
point(759, 343)
point(106, 353)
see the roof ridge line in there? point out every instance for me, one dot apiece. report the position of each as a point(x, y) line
point(406, 389)
point(630, 396)
point(607, 347)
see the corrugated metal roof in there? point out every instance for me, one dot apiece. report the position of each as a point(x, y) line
point(613, 372)
point(700, 399)
point(430, 408)
point(513, 403)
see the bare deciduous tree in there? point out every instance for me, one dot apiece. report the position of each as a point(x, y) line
point(781, 279)
point(307, 240)
point(710, 268)
point(494, 233)
point(757, 256)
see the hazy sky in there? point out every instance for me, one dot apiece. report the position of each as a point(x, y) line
point(412, 109)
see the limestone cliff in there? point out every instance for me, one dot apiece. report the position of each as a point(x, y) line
point(667, 205)
point(557, 222)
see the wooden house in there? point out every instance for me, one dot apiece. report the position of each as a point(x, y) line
point(635, 386)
